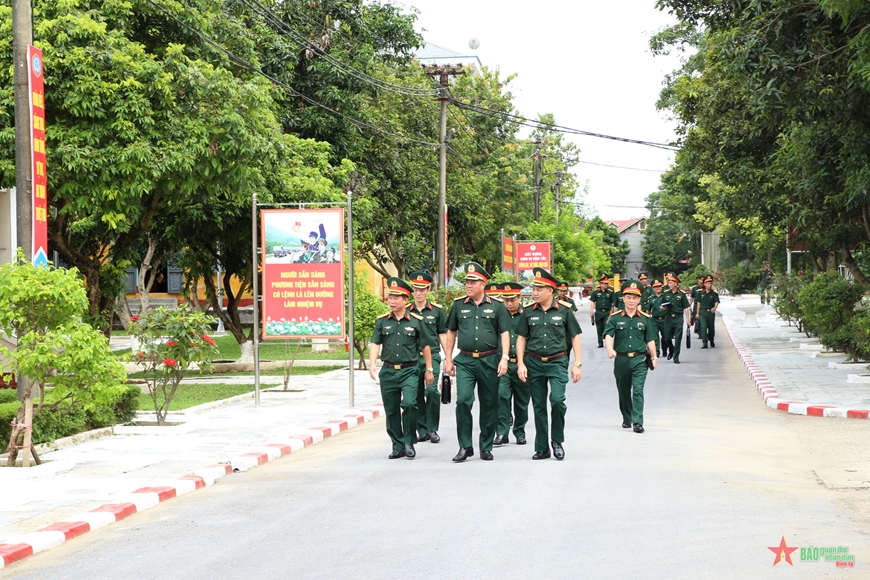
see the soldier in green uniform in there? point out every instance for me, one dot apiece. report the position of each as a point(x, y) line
point(765, 282)
point(647, 291)
point(655, 310)
point(601, 303)
point(510, 386)
point(708, 302)
point(493, 290)
point(562, 287)
point(630, 334)
point(481, 326)
point(675, 319)
point(548, 328)
point(428, 397)
point(693, 296)
point(399, 338)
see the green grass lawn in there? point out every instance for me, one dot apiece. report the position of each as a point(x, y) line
point(191, 395)
point(300, 370)
point(228, 349)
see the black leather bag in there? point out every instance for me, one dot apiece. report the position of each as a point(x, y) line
point(688, 339)
point(649, 362)
point(445, 389)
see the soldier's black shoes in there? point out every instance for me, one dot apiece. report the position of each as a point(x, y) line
point(521, 440)
point(712, 343)
point(600, 346)
point(558, 452)
point(542, 455)
point(464, 453)
point(423, 437)
point(670, 355)
point(704, 346)
point(638, 428)
point(397, 454)
point(410, 453)
point(676, 362)
point(486, 455)
point(626, 425)
point(434, 437)
point(501, 440)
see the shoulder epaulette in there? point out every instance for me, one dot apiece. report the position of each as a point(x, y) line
point(644, 313)
point(460, 298)
point(435, 305)
point(565, 303)
point(618, 312)
point(415, 315)
point(383, 315)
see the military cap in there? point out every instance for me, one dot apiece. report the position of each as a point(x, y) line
point(421, 279)
point(708, 279)
point(544, 278)
point(397, 286)
point(474, 271)
point(642, 276)
point(656, 283)
point(493, 289)
point(604, 278)
point(511, 289)
point(701, 277)
point(562, 285)
point(674, 278)
point(632, 287)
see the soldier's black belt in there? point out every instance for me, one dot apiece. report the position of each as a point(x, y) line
point(659, 317)
point(631, 354)
point(549, 357)
point(399, 366)
point(512, 359)
point(603, 309)
point(675, 315)
point(477, 354)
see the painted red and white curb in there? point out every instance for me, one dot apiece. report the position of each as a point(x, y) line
point(57, 533)
point(771, 396)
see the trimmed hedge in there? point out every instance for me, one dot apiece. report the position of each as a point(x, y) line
point(50, 424)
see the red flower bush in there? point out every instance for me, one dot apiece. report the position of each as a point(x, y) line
point(208, 339)
point(170, 362)
point(134, 318)
point(170, 343)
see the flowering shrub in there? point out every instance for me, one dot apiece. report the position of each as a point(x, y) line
point(169, 341)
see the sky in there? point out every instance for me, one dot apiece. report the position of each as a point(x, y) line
point(588, 63)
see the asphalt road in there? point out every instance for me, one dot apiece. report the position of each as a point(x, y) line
point(716, 479)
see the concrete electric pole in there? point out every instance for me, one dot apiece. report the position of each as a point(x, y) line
point(557, 193)
point(539, 179)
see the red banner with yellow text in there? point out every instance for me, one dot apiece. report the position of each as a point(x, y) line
point(303, 273)
point(531, 255)
point(39, 247)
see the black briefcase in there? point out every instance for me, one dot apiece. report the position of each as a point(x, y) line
point(689, 338)
point(445, 389)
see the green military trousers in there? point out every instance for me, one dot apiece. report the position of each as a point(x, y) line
point(541, 375)
point(600, 323)
point(482, 372)
point(511, 387)
point(399, 393)
point(630, 376)
point(674, 331)
point(428, 398)
point(660, 333)
point(708, 327)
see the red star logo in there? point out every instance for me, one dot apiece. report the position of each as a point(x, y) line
point(782, 552)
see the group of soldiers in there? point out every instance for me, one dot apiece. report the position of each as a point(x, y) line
point(514, 354)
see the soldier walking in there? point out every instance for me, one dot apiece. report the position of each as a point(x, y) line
point(708, 302)
point(481, 325)
point(428, 397)
point(548, 328)
point(630, 334)
point(658, 313)
point(601, 303)
point(765, 281)
point(675, 319)
point(510, 386)
point(562, 287)
point(399, 338)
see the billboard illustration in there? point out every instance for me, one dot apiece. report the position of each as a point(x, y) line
point(303, 273)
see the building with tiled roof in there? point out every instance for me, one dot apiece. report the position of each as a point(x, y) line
point(632, 231)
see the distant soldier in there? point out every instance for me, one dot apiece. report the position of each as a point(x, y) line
point(675, 319)
point(601, 303)
point(562, 287)
point(493, 290)
point(708, 302)
point(765, 283)
point(546, 332)
point(693, 296)
point(428, 397)
point(658, 313)
point(647, 290)
point(630, 335)
point(399, 338)
point(481, 326)
point(510, 386)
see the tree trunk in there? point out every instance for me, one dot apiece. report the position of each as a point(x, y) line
point(247, 348)
point(122, 309)
point(146, 282)
point(853, 267)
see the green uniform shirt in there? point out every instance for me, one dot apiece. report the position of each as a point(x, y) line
point(436, 323)
point(765, 279)
point(515, 318)
point(647, 292)
point(571, 302)
point(548, 331)
point(695, 291)
point(402, 339)
point(618, 302)
point(478, 326)
point(678, 301)
point(630, 333)
point(707, 300)
point(654, 306)
point(603, 300)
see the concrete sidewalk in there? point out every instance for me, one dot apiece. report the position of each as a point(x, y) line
point(793, 372)
point(94, 483)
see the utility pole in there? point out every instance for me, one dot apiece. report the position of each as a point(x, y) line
point(538, 180)
point(443, 73)
point(558, 193)
point(22, 38)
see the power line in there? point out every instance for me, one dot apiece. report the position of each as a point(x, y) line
point(243, 63)
point(623, 167)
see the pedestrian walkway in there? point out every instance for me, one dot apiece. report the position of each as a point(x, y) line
point(93, 483)
point(792, 371)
